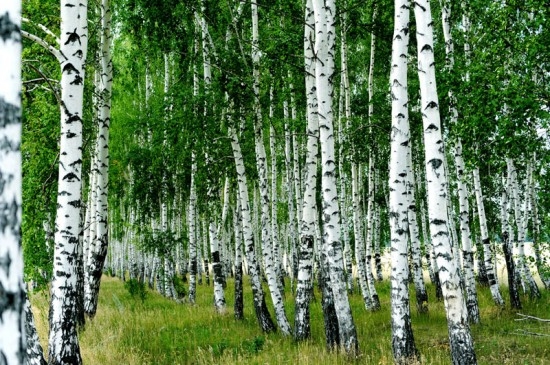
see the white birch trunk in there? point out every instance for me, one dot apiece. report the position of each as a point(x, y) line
point(12, 290)
point(465, 237)
point(302, 329)
point(507, 234)
point(521, 223)
point(358, 234)
point(403, 346)
point(274, 200)
point(63, 347)
point(261, 164)
point(324, 13)
point(98, 252)
point(219, 296)
point(461, 342)
point(487, 249)
point(262, 314)
point(238, 223)
point(35, 353)
point(192, 229)
point(414, 232)
point(341, 138)
point(371, 186)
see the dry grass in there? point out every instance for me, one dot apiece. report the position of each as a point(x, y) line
point(158, 331)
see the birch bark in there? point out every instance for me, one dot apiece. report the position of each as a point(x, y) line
point(63, 346)
point(487, 249)
point(98, 251)
point(12, 291)
point(324, 13)
point(521, 223)
point(304, 287)
point(403, 346)
point(261, 164)
point(260, 307)
point(467, 254)
point(461, 342)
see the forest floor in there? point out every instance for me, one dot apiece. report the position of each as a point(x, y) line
point(131, 331)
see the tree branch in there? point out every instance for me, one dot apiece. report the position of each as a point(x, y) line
point(44, 29)
point(44, 44)
point(525, 317)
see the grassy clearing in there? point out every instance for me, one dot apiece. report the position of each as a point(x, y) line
point(158, 331)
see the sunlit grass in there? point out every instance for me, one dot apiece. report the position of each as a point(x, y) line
point(159, 331)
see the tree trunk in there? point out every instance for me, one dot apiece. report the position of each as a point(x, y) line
point(63, 340)
point(521, 223)
point(237, 221)
point(487, 250)
point(192, 232)
point(507, 246)
point(403, 346)
point(261, 164)
point(467, 253)
point(262, 314)
point(324, 12)
point(34, 353)
point(461, 342)
point(302, 329)
point(98, 251)
point(371, 186)
point(416, 257)
point(12, 290)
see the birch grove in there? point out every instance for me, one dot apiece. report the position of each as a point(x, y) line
point(229, 168)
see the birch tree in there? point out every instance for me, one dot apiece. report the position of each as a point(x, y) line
point(461, 342)
point(63, 346)
point(324, 13)
point(98, 250)
point(260, 307)
point(12, 291)
point(304, 287)
point(403, 346)
point(261, 165)
point(467, 254)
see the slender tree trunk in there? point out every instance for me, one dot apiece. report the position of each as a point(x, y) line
point(63, 340)
point(238, 222)
point(192, 232)
point(343, 110)
point(261, 163)
point(304, 288)
point(324, 12)
point(358, 234)
point(371, 186)
point(416, 257)
point(467, 253)
point(542, 265)
point(403, 346)
point(507, 246)
point(274, 201)
point(487, 249)
point(262, 314)
point(12, 290)
point(461, 342)
point(98, 252)
point(521, 227)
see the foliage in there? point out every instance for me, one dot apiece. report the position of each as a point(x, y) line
point(136, 288)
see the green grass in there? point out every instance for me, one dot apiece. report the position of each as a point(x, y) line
point(130, 331)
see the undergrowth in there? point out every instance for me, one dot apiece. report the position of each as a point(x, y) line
point(149, 329)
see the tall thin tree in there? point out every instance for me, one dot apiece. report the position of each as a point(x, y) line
point(12, 291)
